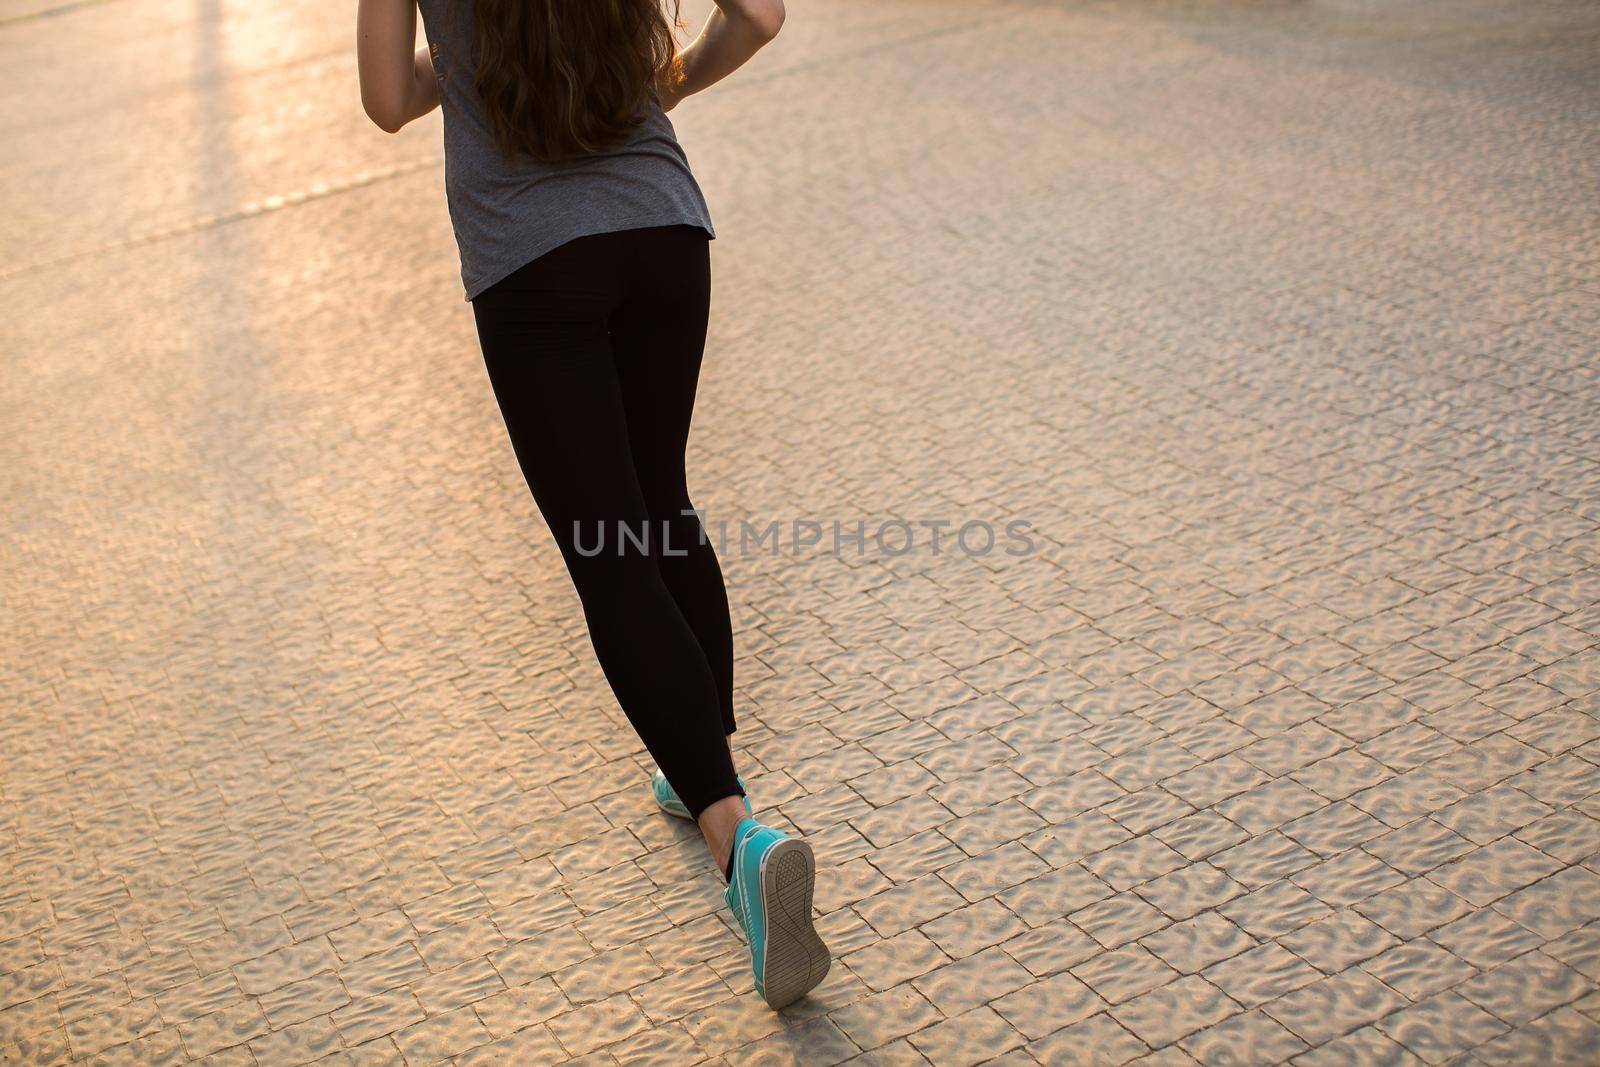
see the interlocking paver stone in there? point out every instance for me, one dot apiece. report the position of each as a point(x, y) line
point(303, 1042)
point(1282, 745)
point(1413, 908)
point(1334, 1006)
point(1097, 1040)
point(1333, 943)
point(1441, 1027)
point(533, 1044)
point(1258, 861)
point(1418, 969)
point(1347, 878)
point(965, 984)
point(1194, 944)
point(1362, 1048)
point(1118, 920)
point(1563, 1037)
point(1522, 989)
point(1274, 910)
point(895, 960)
point(1419, 846)
point(1051, 948)
point(1248, 1038)
point(973, 928)
point(1252, 978)
point(1125, 973)
point(970, 1038)
point(1173, 1011)
point(876, 1020)
point(1050, 896)
point(1579, 949)
point(1047, 1005)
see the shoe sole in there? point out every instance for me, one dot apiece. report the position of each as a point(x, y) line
point(796, 959)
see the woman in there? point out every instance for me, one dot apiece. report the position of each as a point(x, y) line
point(583, 240)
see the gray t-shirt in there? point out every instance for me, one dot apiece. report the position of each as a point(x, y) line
point(509, 212)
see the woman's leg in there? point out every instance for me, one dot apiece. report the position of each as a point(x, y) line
point(544, 333)
point(658, 334)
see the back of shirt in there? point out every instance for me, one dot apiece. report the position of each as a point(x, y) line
point(509, 211)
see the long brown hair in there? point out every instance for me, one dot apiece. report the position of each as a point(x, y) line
point(561, 78)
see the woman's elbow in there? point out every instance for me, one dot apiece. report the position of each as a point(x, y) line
point(764, 17)
point(386, 123)
point(387, 115)
point(770, 21)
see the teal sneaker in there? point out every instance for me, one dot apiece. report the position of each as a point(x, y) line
point(745, 826)
point(667, 797)
point(770, 897)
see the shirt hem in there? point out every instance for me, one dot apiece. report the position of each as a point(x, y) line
point(636, 222)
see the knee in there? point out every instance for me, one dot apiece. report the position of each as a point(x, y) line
point(684, 533)
point(608, 575)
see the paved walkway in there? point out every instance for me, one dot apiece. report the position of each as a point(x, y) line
point(1275, 320)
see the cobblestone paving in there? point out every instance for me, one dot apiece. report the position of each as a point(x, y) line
point(1276, 320)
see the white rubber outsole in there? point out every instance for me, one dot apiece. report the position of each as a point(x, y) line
point(796, 959)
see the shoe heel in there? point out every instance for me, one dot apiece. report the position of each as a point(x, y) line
point(796, 959)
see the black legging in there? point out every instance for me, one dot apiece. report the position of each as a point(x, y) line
point(594, 352)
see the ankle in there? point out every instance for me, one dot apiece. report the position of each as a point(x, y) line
point(718, 823)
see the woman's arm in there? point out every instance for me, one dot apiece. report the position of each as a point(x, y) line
point(397, 84)
point(735, 31)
